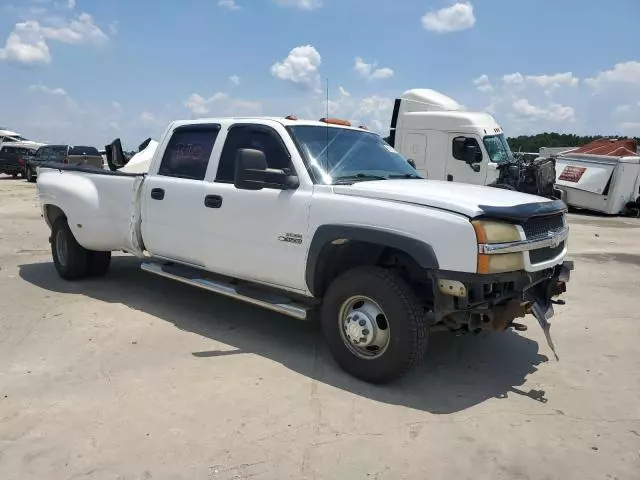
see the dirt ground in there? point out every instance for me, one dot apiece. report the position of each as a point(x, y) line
point(137, 377)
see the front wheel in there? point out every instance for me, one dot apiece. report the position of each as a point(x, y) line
point(374, 324)
point(30, 175)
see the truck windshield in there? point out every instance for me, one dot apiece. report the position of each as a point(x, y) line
point(339, 155)
point(498, 149)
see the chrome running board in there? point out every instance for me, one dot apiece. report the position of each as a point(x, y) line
point(275, 302)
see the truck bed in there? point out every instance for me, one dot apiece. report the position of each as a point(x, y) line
point(100, 205)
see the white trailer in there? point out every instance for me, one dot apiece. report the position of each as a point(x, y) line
point(603, 176)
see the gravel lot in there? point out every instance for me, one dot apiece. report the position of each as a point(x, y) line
point(137, 377)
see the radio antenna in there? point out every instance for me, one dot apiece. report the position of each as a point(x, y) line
point(326, 150)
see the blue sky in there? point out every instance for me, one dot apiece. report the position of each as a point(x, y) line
point(86, 71)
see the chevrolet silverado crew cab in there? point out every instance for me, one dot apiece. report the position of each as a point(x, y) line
point(304, 216)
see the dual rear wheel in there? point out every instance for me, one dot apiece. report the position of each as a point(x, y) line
point(71, 259)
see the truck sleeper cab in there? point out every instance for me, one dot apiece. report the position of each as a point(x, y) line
point(448, 142)
point(299, 216)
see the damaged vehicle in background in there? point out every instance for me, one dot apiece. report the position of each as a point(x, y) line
point(447, 142)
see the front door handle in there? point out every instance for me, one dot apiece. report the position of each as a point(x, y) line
point(157, 193)
point(213, 201)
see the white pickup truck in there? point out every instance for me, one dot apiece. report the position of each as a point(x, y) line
point(298, 216)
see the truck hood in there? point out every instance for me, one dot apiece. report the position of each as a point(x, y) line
point(469, 200)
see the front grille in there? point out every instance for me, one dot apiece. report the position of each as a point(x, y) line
point(540, 227)
point(544, 254)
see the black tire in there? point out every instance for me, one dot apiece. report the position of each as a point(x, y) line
point(14, 174)
point(72, 265)
point(30, 176)
point(98, 263)
point(403, 311)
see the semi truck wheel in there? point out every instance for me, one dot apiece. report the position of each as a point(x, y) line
point(374, 324)
point(98, 263)
point(69, 257)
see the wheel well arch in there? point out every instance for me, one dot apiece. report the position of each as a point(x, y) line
point(337, 248)
point(52, 213)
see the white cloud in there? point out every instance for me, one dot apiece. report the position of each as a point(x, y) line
point(26, 45)
point(301, 4)
point(49, 91)
point(300, 67)
point(621, 73)
point(200, 106)
point(513, 79)
point(71, 4)
point(554, 81)
point(483, 83)
point(373, 111)
point(78, 31)
point(235, 79)
point(369, 70)
point(455, 18)
point(554, 112)
point(228, 4)
point(146, 117)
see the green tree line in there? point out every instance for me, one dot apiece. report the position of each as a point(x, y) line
point(533, 143)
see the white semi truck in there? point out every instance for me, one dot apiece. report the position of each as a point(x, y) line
point(447, 142)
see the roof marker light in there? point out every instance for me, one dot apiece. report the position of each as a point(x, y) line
point(336, 121)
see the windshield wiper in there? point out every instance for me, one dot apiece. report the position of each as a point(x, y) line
point(406, 175)
point(360, 177)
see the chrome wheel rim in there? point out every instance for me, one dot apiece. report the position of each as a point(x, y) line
point(61, 248)
point(364, 327)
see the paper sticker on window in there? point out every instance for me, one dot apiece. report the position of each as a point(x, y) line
point(572, 174)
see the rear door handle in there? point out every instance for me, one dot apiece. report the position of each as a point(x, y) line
point(157, 193)
point(213, 201)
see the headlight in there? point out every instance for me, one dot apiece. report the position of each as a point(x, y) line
point(495, 232)
point(488, 232)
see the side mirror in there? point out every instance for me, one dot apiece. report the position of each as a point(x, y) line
point(471, 154)
point(412, 163)
point(115, 155)
point(251, 173)
point(475, 167)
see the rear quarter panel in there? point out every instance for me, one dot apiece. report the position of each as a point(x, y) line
point(101, 210)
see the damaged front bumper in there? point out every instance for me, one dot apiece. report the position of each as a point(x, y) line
point(474, 302)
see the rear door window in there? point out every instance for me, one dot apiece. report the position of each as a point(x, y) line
point(188, 151)
point(58, 154)
point(42, 154)
point(86, 151)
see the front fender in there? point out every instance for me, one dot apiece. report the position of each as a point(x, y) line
point(327, 235)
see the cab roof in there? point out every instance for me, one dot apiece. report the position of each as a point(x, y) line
point(449, 121)
point(281, 120)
